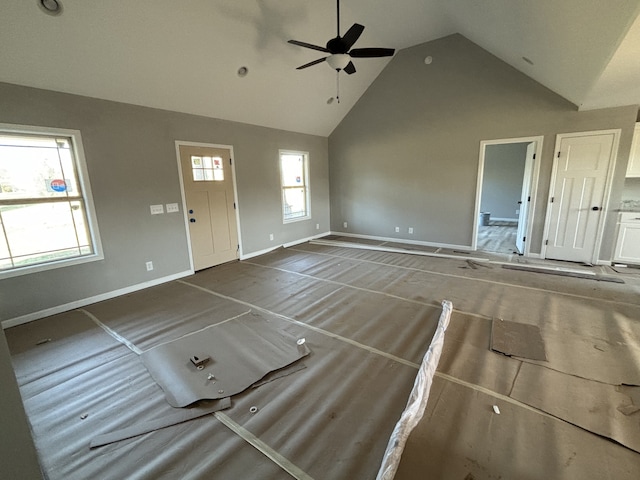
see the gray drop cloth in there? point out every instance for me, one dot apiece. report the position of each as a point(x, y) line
point(461, 438)
point(562, 273)
point(590, 405)
point(182, 415)
point(517, 339)
point(588, 327)
point(333, 419)
point(241, 353)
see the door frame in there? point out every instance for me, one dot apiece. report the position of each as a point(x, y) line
point(181, 143)
point(606, 194)
point(533, 187)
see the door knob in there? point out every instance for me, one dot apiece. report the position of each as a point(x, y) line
point(192, 220)
point(595, 209)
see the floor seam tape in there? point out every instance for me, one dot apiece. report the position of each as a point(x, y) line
point(414, 365)
point(494, 282)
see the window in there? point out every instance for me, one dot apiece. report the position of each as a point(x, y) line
point(294, 176)
point(207, 169)
point(46, 213)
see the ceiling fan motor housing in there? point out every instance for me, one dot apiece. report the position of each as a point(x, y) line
point(337, 45)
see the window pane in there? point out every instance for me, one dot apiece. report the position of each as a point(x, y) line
point(31, 172)
point(206, 162)
point(45, 257)
point(46, 231)
point(68, 170)
point(218, 175)
point(295, 202)
point(82, 229)
point(28, 141)
point(208, 175)
point(292, 170)
point(4, 248)
point(196, 162)
point(198, 175)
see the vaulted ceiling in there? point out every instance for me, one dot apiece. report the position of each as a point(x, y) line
point(184, 56)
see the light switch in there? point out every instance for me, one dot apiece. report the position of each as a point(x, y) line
point(157, 209)
point(172, 207)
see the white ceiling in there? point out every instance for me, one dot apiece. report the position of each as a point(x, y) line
point(183, 56)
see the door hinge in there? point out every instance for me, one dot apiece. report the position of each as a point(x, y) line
point(558, 153)
point(528, 199)
point(234, 205)
point(534, 156)
point(552, 198)
point(546, 242)
point(230, 161)
point(524, 239)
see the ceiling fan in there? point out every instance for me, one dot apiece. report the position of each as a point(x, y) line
point(340, 51)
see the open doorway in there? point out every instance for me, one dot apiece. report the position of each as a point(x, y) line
point(507, 175)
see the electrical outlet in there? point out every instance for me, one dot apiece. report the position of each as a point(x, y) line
point(410, 230)
point(149, 266)
point(271, 237)
point(156, 209)
point(317, 226)
point(172, 207)
point(344, 224)
point(397, 229)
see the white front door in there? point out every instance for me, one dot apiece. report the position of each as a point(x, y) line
point(207, 179)
point(581, 172)
point(525, 198)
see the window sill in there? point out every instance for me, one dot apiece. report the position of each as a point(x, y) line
point(16, 272)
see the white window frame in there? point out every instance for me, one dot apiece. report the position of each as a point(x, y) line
point(305, 156)
point(85, 185)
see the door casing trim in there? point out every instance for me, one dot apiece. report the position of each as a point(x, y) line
point(539, 139)
point(181, 143)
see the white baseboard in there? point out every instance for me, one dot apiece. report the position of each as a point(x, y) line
point(285, 245)
point(498, 219)
point(30, 317)
point(259, 252)
point(404, 240)
point(303, 240)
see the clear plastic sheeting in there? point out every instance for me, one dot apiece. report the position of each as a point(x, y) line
point(417, 399)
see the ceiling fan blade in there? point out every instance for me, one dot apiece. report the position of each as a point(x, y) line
point(352, 35)
point(311, 64)
point(371, 52)
point(350, 68)
point(308, 45)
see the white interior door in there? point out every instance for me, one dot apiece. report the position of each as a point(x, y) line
point(207, 179)
point(525, 198)
point(580, 176)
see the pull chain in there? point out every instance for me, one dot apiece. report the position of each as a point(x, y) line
point(338, 85)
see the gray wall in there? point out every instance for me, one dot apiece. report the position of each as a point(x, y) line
point(502, 179)
point(407, 153)
point(631, 189)
point(131, 159)
point(17, 453)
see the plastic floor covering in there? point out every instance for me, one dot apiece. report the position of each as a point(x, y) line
point(367, 317)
